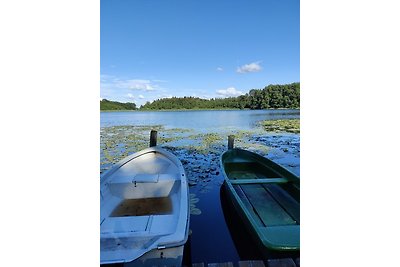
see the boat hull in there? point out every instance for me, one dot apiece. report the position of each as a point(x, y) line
point(159, 257)
point(144, 210)
point(267, 252)
point(272, 225)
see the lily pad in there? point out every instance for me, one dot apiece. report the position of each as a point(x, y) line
point(193, 200)
point(195, 211)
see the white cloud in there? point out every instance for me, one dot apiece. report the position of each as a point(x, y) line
point(252, 67)
point(146, 85)
point(141, 96)
point(220, 69)
point(131, 96)
point(113, 83)
point(231, 91)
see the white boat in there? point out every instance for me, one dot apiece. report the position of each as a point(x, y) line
point(144, 210)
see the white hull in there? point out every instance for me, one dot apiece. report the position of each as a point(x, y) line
point(144, 210)
point(159, 257)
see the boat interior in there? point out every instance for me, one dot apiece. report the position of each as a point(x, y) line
point(142, 196)
point(271, 199)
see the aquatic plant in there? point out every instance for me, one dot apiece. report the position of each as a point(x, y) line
point(193, 200)
point(198, 152)
point(290, 125)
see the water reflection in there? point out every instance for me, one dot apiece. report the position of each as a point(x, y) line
point(210, 239)
point(244, 244)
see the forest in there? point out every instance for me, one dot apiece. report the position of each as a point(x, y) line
point(114, 105)
point(270, 97)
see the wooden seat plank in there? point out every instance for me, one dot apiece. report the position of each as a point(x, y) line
point(285, 200)
point(270, 212)
point(248, 205)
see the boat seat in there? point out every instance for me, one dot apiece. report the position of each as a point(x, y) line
point(143, 178)
point(163, 224)
point(168, 176)
point(146, 178)
point(155, 224)
point(124, 224)
point(132, 189)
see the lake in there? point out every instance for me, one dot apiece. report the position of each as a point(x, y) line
point(217, 234)
point(200, 120)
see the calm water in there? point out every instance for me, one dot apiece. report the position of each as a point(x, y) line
point(199, 120)
point(217, 233)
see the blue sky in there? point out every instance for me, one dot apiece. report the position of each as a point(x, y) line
point(153, 49)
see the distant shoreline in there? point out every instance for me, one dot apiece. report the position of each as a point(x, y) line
point(163, 110)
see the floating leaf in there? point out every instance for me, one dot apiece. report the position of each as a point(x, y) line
point(195, 211)
point(194, 200)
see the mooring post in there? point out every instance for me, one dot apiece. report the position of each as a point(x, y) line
point(153, 138)
point(231, 139)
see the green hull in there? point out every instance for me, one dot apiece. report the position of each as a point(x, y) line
point(267, 198)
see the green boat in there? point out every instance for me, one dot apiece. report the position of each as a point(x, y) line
point(267, 198)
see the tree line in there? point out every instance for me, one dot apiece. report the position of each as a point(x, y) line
point(114, 105)
point(272, 96)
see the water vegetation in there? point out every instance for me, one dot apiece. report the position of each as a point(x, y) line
point(255, 147)
point(290, 125)
point(204, 142)
point(198, 152)
point(117, 142)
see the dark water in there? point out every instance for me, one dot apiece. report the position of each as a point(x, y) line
point(217, 234)
point(199, 120)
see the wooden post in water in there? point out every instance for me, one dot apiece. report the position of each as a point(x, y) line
point(153, 138)
point(231, 139)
